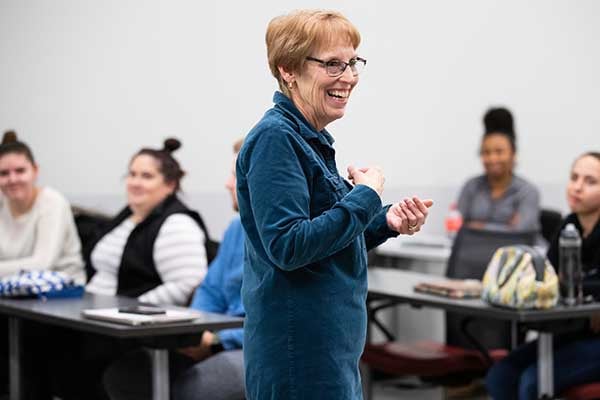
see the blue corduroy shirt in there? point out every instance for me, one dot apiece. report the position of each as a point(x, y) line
point(305, 273)
point(220, 291)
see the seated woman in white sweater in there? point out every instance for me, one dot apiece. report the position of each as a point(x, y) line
point(37, 231)
point(154, 249)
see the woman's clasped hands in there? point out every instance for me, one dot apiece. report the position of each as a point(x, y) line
point(405, 217)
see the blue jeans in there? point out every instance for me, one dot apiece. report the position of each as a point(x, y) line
point(515, 377)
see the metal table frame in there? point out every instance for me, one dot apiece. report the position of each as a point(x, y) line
point(398, 285)
point(67, 313)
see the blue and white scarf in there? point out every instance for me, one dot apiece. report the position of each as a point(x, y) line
point(39, 284)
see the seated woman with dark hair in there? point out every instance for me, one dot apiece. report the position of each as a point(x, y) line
point(499, 199)
point(577, 354)
point(155, 248)
point(37, 230)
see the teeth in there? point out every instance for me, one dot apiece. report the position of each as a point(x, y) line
point(342, 94)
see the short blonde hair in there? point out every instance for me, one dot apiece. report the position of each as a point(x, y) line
point(293, 37)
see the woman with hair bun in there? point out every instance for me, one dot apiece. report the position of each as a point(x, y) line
point(499, 199)
point(37, 230)
point(154, 249)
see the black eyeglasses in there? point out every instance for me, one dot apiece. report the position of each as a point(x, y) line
point(337, 67)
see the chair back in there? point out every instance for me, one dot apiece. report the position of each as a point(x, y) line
point(550, 222)
point(471, 252)
point(90, 224)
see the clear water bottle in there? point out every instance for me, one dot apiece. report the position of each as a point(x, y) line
point(453, 221)
point(569, 266)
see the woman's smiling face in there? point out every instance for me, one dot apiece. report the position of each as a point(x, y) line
point(17, 177)
point(322, 98)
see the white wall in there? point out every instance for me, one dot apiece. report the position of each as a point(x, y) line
point(87, 83)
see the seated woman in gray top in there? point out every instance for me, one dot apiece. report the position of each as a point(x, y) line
point(499, 199)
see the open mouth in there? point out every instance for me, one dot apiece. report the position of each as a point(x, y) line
point(339, 94)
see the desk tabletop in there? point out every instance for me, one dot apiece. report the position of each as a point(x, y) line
point(398, 285)
point(426, 248)
point(67, 313)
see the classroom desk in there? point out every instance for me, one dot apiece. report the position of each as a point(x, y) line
point(423, 252)
point(425, 248)
point(67, 313)
point(398, 285)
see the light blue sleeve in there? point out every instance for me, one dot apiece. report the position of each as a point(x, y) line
point(231, 338)
point(209, 295)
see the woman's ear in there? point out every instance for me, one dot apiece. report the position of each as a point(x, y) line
point(287, 76)
point(171, 186)
point(36, 171)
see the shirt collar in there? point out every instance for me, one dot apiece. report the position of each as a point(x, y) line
point(158, 210)
point(306, 129)
point(513, 186)
point(593, 237)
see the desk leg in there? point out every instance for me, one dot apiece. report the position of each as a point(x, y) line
point(14, 343)
point(160, 374)
point(545, 366)
point(514, 335)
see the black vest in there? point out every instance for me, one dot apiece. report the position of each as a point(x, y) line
point(137, 271)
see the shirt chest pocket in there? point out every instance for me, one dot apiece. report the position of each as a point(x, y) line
point(326, 191)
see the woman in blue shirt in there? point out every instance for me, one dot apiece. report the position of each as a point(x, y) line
point(307, 229)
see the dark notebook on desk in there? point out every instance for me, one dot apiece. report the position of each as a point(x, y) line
point(453, 288)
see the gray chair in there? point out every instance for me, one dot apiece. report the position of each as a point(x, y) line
point(550, 222)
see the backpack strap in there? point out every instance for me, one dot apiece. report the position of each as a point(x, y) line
point(513, 266)
point(538, 260)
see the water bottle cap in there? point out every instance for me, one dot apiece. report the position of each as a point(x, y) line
point(570, 231)
point(570, 227)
